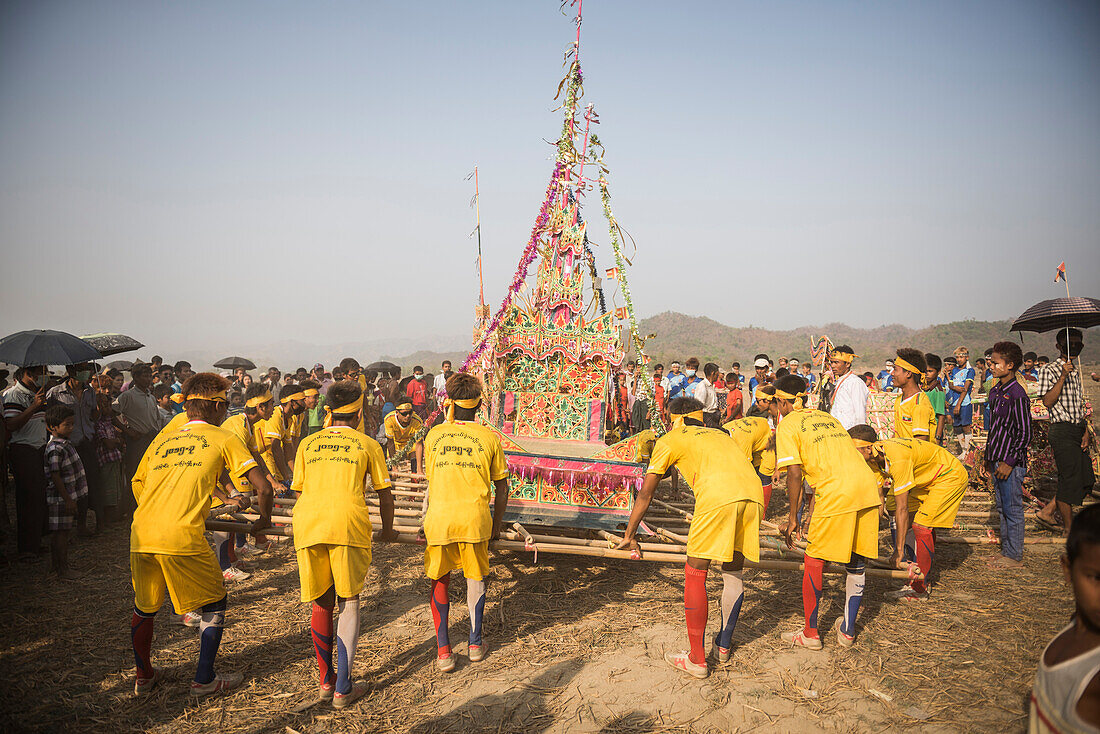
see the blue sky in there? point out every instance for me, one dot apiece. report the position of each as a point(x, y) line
point(201, 173)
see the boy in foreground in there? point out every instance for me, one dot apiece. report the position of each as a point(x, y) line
point(172, 486)
point(401, 426)
point(332, 534)
point(1066, 694)
point(465, 461)
point(923, 475)
point(933, 388)
point(914, 415)
point(814, 446)
point(66, 485)
point(725, 527)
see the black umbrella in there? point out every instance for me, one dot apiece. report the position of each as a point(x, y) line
point(38, 347)
point(232, 363)
point(120, 364)
point(384, 368)
point(108, 344)
point(1072, 312)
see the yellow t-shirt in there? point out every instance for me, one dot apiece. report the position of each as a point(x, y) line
point(914, 464)
point(402, 435)
point(914, 417)
point(238, 426)
point(330, 470)
point(831, 463)
point(753, 436)
point(711, 462)
point(463, 459)
point(173, 484)
point(178, 420)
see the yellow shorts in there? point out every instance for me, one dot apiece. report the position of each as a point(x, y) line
point(472, 558)
point(836, 538)
point(892, 504)
point(193, 581)
point(322, 566)
point(940, 500)
point(719, 533)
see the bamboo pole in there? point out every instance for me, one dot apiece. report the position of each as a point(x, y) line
point(970, 540)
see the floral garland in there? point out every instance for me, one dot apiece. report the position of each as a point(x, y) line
point(620, 263)
point(529, 254)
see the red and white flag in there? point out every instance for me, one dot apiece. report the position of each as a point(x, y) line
point(1060, 273)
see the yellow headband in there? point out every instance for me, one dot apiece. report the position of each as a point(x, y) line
point(844, 356)
point(861, 444)
point(258, 400)
point(678, 420)
point(467, 403)
point(796, 398)
point(311, 392)
point(761, 395)
point(404, 406)
point(876, 447)
point(346, 409)
point(214, 398)
point(177, 398)
point(288, 398)
point(907, 366)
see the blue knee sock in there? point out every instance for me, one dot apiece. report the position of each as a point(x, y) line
point(210, 638)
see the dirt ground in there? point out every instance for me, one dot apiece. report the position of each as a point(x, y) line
point(575, 644)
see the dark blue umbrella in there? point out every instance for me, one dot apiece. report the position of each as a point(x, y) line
point(1074, 312)
point(108, 344)
point(38, 347)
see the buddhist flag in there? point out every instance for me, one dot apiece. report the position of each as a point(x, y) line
point(612, 273)
point(1060, 273)
point(620, 313)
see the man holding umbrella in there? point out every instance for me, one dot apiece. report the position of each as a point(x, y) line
point(25, 420)
point(1061, 391)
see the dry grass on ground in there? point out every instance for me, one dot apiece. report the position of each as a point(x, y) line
point(575, 645)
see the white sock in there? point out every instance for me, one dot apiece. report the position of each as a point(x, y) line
point(733, 594)
point(475, 600)
point(347, 638)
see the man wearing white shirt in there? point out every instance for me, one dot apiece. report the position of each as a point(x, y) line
point(441, 381)
point(849, 402)
point(706, 394)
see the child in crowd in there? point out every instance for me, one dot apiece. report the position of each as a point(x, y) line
point(959, 385)
point(1066, 694)
point(734, 408)
point(933, 388)
point(332, 534)
point(1029, 370)
point(109, 454)
point(725, 527)
point(163, 395)
point(914, 416)
point(418, 393)
point(66, 485)
point(1006, 450)
point(465, 462)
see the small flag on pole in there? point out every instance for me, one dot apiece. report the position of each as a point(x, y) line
point(620, 313)
point(1060, 274)
point(612, 273)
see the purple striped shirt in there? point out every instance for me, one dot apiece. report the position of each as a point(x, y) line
point(1009, 424)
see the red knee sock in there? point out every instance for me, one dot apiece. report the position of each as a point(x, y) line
point(320, 625)
point(767, 499)
point(695, 609)
point(441, 607)
point(811, 593)
point(925, 549)
point(141, 636)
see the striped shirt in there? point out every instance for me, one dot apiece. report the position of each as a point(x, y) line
point(1009, 424)
point(1069, 407)
point(17, 399)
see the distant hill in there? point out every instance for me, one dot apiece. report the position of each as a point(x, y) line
point(680, 336)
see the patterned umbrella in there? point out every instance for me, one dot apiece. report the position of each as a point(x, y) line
point(108, 344)
point(37, 347)
point(1073, 312)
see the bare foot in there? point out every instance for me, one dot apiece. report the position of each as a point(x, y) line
point(1005, 563)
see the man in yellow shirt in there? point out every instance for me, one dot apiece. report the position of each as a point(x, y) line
point(814, 446)
point(172, 486)
point(914, 416)
point(921, 473)
point(332, 533)
point(275, 439)
point(725, 526)
point(756, 439)
point(402, 424)
point(465, 461)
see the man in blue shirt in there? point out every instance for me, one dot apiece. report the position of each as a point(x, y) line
point(760, 378)
point(677, 381)
point(885, 377)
